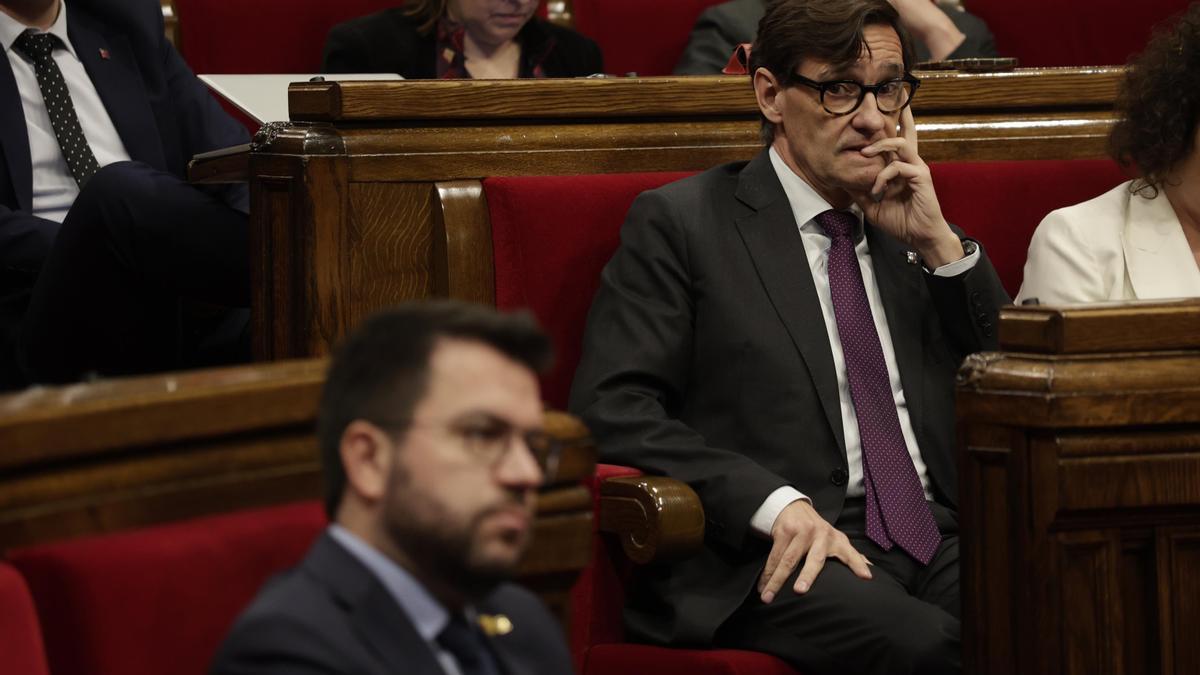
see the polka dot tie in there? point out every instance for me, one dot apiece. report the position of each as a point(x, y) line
point(39, 48)
point(897, 512)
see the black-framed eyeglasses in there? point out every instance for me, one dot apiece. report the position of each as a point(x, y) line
point(842, 97)
point(490, 439)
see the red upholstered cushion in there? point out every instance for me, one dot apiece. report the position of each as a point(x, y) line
point(1001, 203)
point(159, 600)
point(262, 36)
point(551, 236)
point(637, 36)
point(599, 594)
point(1080, 33)
point(628, 658)
point(21, 651)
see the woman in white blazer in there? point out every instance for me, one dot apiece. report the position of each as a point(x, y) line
point(1140, 240)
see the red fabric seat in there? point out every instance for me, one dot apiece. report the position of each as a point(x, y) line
point(1086, 33)
point(21, 649)
point(159, 600)
point(551, 236)
point(636, 36)
point(598, 636)
point(264, 36)
point(1000, 203)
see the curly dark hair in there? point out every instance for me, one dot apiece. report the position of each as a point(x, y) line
point(1159, 104)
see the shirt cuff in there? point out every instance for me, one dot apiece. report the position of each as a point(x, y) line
point(963, 264)
point(764, 518)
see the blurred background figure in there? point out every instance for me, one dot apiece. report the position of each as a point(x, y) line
point(430, 426)
point(940, 31)
point(1140, 240)
point(451, 39)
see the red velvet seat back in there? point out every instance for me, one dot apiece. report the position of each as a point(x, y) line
point(1079, 33)
point(262, 36)
point(551, 236)
point(1001, 203)
point(21, 650)
point(638, 36)
point(159, 600)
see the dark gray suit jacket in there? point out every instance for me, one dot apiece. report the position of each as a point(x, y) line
point(706, 359)
point(332, 615)
point(721, 28)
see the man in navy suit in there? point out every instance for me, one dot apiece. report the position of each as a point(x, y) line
point(111, 239)
point(431, 437)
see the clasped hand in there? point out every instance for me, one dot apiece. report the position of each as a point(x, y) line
point(800, 533)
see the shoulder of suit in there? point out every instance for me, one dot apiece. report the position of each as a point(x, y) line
point(1102, 211)
point(738, 13)
point(129, 17)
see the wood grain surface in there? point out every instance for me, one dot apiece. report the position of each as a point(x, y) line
point(721, 95)
point(1080, 492)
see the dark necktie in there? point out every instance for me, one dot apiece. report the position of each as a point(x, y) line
point(468, 648)
point(39, 48)
point(896, 509)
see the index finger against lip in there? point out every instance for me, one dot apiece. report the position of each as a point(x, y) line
point(908, 127)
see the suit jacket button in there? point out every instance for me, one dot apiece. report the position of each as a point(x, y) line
point(838, 477)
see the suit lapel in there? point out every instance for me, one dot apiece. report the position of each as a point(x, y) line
point(118, 80)
point(777, 250)
point(900, 287)
point(1158, 260)
point(14, 139)
point(513, 660)
point(374, 616)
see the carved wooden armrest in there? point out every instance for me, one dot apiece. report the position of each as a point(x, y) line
point(658, 519)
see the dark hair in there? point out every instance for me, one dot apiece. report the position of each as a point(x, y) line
point(380, 372)
point(427, 12)
point(794, 30)
point(1159, 104)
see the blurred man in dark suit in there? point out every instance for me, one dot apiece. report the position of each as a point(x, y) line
point(99, 116)
point(432, 442)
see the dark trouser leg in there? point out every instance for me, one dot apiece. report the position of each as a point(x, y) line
point(896, 623)
point(135, 242)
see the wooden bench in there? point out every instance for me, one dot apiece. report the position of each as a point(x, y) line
point(362, 203)
point(1080, 492)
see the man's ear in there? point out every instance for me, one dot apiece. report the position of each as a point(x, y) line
point(768, 93)
point(367, 455)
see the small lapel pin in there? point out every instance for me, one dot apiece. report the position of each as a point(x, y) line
point(495, 624)
point(104, 54)
point(911, 257)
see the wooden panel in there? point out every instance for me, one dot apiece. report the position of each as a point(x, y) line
point(1139, 604)
point(987, 574)
point(128, 452)
point(1088, 595)
point(1141, 480)
point(1101, 327)
point(462, 243)
point(1103, 483)
point(1180, 597)
point(598, 98)
point(390, 248)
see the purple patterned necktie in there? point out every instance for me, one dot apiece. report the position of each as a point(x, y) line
point(896, 509)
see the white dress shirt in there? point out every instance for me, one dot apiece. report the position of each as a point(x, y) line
point(806, 205)
point(54, 188)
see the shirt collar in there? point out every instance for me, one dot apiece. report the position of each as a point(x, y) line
point(805, 202)
point(11, 29)
point(428, 615)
